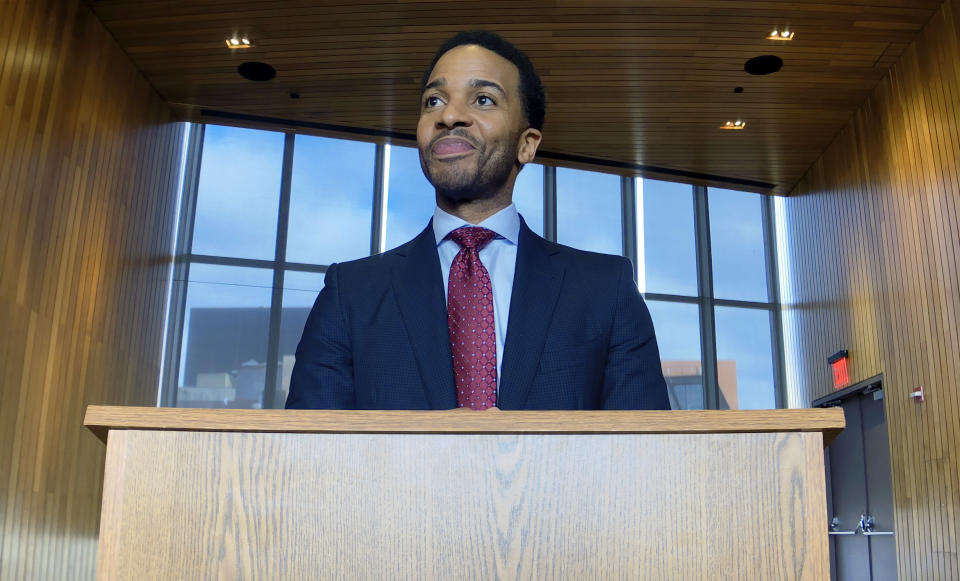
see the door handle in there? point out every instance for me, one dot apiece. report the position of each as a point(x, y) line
point(864, 527)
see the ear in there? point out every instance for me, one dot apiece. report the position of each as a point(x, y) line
point(529, 142)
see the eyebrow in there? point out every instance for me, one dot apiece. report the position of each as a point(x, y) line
point(435, 84)
point(478, 83)
point(474, 84)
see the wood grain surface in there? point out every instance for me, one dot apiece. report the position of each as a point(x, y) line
point(830, 422)
point(637, 82)
point(874, 250)
point(221, 505)
point(88, 182)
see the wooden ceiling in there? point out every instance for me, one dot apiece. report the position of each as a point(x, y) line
point(638, 84)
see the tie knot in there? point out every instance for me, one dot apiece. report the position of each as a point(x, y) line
point(472, 237)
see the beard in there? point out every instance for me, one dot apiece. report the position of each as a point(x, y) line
point(466, 180)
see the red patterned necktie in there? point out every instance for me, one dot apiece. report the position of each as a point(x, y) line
point(470, 318)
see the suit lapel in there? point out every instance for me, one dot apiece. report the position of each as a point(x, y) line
point(418, 284)
point(536, 286)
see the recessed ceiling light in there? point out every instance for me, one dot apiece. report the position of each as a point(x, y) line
point(235, 42)
point(734, 125)
point(785, 34)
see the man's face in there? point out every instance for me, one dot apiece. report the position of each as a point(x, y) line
point(472, 125)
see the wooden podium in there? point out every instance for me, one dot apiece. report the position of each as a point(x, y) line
point(275, 494)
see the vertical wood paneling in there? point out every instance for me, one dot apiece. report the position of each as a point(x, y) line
point(88, 167)
point(874, 250)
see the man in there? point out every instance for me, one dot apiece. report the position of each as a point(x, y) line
point(478, 311)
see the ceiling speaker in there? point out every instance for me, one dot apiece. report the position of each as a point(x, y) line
point(763, 65)
point(256, 71)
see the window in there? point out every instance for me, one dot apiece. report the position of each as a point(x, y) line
point(300, 290)
point(239, 193)
point(252, 270)
point(588, 211)
point(744, 314)
point(745, 359)
point(678, 336)
point(225, 333)
point(528, 196)
point(331, 200)
point(271, 211)
point(411, 198)
point(669, 248)
point(737, 245)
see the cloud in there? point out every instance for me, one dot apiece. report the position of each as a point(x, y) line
point(239, 193)
point(331, 200)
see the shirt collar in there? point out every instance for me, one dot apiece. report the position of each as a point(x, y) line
point(506, 223)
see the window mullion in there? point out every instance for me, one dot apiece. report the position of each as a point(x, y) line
point(550, 203)
point(773, 295)
point(628, 211)
point(708, 332)
point(276, 298)
point(181, 269)
point(381, 173)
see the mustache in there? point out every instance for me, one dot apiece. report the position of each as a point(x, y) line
point(459, 133)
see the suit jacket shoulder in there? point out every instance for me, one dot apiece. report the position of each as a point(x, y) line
point(377, 335)
point(583, 258)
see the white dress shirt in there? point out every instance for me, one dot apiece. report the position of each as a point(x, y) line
point(499, 257)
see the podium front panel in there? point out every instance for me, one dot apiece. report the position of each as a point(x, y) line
point(228, 505)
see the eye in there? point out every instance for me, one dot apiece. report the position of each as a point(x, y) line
point(484, 101)
point(431, 101)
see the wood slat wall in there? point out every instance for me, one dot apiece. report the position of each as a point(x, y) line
point(874, 245)
point(89, 158)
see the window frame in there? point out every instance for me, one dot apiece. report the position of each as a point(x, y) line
point(184, 257)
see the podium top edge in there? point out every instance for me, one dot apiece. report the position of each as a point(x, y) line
point(102, 419)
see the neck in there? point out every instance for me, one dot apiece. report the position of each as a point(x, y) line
point(475, 211)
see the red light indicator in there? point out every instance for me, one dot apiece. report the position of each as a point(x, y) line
point(841, 375)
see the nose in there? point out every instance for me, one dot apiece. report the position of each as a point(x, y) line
point(454, 114)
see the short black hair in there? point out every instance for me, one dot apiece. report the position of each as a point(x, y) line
point(531, 89)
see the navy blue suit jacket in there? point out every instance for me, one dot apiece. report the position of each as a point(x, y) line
point(579, 335)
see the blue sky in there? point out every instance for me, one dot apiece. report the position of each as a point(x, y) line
point(331, 200)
